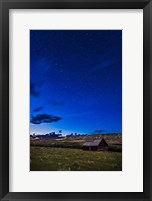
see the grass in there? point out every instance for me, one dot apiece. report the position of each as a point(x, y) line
point(66, 159)
point(58, 144)
point(73, 144)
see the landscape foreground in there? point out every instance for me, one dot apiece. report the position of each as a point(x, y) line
point(67, 154)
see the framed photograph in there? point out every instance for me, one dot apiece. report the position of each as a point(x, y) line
point(75, 106)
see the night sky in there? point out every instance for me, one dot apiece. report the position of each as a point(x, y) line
point(75, 81)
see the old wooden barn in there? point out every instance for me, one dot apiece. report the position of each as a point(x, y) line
point(96, 145)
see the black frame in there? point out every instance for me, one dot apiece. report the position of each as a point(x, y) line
point(5, 5)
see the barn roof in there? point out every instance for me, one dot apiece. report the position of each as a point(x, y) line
point(95, 142)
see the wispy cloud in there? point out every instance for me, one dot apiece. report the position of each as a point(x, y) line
point(103, 65)
point(99, 131)
point(33, 90)
point(56, 103)
point(38, 109)
point(106, 63)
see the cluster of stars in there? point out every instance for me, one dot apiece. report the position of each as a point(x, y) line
point(83, 70)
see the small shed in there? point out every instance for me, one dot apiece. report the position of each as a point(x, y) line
point(96, 145)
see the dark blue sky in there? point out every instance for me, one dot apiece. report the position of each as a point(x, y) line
point(75, 81)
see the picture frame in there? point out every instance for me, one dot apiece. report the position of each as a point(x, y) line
point(4, 106)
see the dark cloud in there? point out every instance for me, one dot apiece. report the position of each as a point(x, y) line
point(38, 109)
point(56, 103)
point(99, 131)
point(34, 90)
point(44, 118)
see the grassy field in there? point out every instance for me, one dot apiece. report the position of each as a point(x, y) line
point(114, 141)
point(66, 159)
